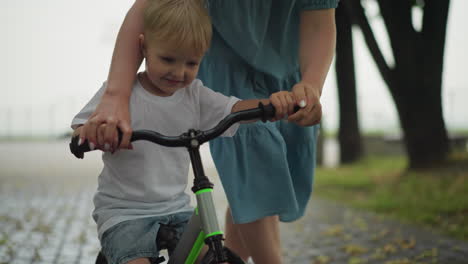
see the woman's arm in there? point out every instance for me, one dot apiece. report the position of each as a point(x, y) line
point(113, 109)
point(316, 50)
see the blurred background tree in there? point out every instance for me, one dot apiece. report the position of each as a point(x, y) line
point(414, 80)
point(349, 136)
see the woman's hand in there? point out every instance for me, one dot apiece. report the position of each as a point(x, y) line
point(113, 111)
point(308, 98)
point(317, 30)
point(284, 104)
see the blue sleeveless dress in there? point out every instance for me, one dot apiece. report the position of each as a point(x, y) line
point(266, 168)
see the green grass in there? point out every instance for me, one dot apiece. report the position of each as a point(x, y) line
point(436, 197)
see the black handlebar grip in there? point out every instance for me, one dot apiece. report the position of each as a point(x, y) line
point(269, 111)
point(296, 108)
point(79, 151)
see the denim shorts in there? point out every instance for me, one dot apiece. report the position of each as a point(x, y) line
point(135, 239)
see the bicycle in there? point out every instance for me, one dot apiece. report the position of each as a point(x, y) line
point(203, 227)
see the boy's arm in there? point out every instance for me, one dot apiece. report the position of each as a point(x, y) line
point(113, 109)
point(282, 101)
point(248, 104)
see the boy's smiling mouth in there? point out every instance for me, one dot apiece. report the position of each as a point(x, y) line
point(173, 81)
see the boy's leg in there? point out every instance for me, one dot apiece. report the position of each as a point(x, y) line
point(259, 239)
point(139, 261)
point(132, 241)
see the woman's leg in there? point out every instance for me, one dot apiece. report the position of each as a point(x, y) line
point(259, 239)
point(233, 238)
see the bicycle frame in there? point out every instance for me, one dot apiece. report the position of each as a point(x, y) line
point(203, 227)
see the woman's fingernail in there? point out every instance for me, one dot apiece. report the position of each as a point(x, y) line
point(91, 146)
point(106, 147)
point(302, 103)
point(80, 141)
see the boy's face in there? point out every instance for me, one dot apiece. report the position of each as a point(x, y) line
point(169, 68)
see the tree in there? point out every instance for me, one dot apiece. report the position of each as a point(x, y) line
point(349, 136)
point(415, 79)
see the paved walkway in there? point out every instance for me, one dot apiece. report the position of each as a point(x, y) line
point(332, 233)
point(46, 200)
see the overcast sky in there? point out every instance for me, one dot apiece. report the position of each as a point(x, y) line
point(54, 54)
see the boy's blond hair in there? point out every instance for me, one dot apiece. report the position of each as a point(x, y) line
point(182, 23)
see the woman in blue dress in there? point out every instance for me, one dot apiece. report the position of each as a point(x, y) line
point(258, 47)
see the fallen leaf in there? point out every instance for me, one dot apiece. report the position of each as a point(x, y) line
point(406, 244)
point(322, 260)
point(399, 261)
point(389, 249)
point(334, 230)
point(354, 250)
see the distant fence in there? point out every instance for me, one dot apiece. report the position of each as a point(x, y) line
point(37, 121)
point(52, 120)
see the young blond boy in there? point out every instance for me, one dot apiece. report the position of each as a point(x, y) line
point(140, 189)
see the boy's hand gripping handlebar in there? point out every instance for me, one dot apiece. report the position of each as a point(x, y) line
point(262, 112)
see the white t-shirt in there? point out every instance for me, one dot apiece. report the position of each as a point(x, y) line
point(150, 180)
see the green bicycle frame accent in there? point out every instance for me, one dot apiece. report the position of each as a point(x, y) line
point(204, 191)
point(202, 225)
point(196, 249)
point(198, 245)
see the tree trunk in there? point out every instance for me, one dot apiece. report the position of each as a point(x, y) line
point(421, 119)
point(415, 81)
point(348, 135)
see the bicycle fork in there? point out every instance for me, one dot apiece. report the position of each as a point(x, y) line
point(203, 227)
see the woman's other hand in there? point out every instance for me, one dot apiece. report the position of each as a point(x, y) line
point(308, 98)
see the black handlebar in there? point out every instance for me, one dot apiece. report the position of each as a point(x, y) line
point(263, 112)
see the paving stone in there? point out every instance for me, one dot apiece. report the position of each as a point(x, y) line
point(66, 260)
point(20, 261)
point(4, 257)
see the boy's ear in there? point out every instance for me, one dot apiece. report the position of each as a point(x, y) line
point(141, 39)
